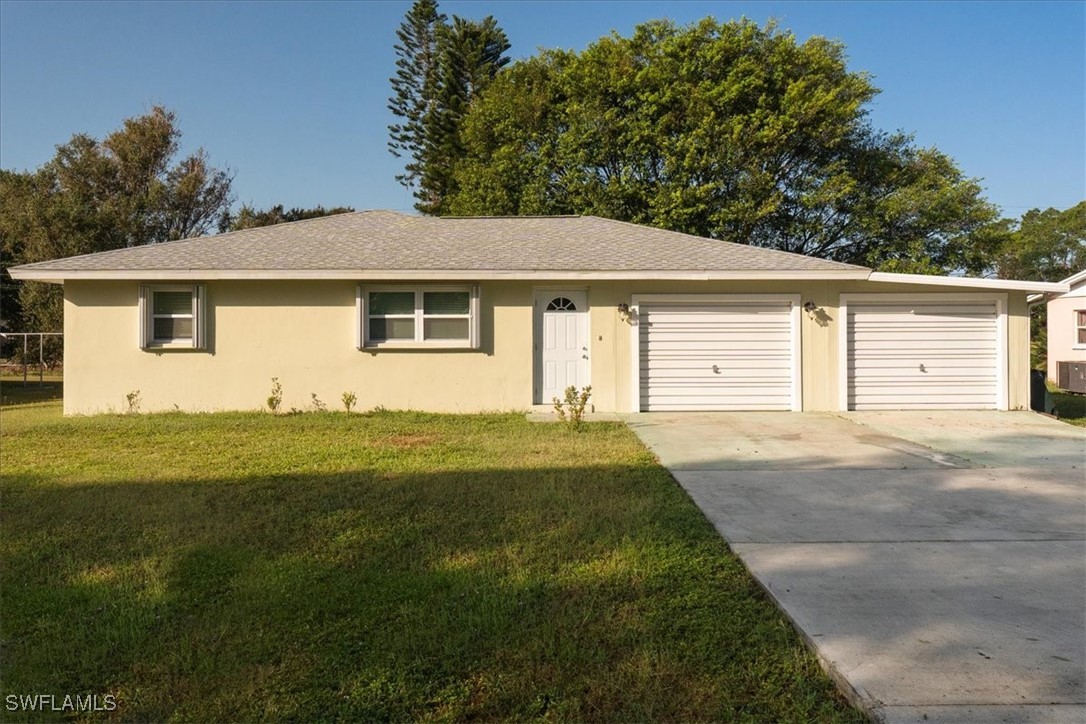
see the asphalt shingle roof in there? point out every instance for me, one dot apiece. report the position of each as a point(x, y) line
point(386, 240)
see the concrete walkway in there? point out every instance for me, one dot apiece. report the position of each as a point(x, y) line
point(935, 561)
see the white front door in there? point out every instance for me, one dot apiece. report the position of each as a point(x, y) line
point(561, 343)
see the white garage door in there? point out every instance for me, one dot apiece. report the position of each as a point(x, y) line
point(924, 354)
point(716, 356)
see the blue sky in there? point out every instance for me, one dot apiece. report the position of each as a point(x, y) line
point(292, 96)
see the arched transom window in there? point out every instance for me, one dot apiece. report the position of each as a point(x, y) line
point(561, 304)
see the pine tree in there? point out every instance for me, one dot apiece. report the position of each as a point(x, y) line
point(471, 54)
point(440, 69)
point(414, 86)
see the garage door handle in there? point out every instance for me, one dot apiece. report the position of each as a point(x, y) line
point(922, 367)
point(716, 370)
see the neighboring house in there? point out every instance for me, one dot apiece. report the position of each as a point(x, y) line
point(1067, 328)
point(468, 314)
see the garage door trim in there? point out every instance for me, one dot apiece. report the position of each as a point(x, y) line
point(1001, 334)
point(637, 300)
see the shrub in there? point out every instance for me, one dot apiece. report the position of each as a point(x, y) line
point(571, 411)
point(275, 399)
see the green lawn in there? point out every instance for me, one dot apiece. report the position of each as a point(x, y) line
point(384, 566)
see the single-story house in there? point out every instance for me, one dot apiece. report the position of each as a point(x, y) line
point(1067, 333)
point(469, 314)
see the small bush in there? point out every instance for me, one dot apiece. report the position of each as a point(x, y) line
point(275, 399)
point(318, 406)
point(349, 400)
point(571, 411)
point(132, 402)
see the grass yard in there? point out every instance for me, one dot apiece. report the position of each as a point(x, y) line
point(385, 566)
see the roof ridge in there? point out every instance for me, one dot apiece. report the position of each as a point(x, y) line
point(509, 216)
point(725, 241)
point(292, 223)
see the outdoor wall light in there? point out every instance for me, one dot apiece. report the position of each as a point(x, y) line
point(817, 313)
point(623, 308)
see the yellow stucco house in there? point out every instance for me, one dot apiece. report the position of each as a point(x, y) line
point(470, 314)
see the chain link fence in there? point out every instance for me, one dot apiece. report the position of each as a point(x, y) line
point(32, 356)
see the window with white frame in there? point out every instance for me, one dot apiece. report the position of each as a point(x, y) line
point(172, 316)
point(418, 316)
point(1080, 327)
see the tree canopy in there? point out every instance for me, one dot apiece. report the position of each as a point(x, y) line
point(1047, 245)
point(726, 130)
point(127, 189)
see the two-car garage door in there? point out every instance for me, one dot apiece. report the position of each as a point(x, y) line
point(927, 351)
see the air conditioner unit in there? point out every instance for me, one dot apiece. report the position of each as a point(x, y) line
point(1072, 376)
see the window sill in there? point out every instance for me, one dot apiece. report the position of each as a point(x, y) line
point(165, 346)
point(451, 345)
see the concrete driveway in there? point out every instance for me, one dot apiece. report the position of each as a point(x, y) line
point(935, 560)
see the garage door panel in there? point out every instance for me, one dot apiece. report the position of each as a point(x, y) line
point(911, 387)
point(952, 339)
point(938, 405)
point(868, 319)
point(909, 367)
point(687, 311)
point(718, 402)
point(716, 356)
point(731, 346)
point(708, 384)
point(717, 332)
point(737, 370)
point(717, 350)
point(922, 354)
point(913, 368)
point(751, 333)
point(717, 407)
point(735, 375)
point(927, 308)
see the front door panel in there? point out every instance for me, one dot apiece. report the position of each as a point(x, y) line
point(561, 343)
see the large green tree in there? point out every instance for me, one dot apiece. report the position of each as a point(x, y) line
point(127, 189)
point(727, 130)
point(441, 68)
point(1047, 245)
